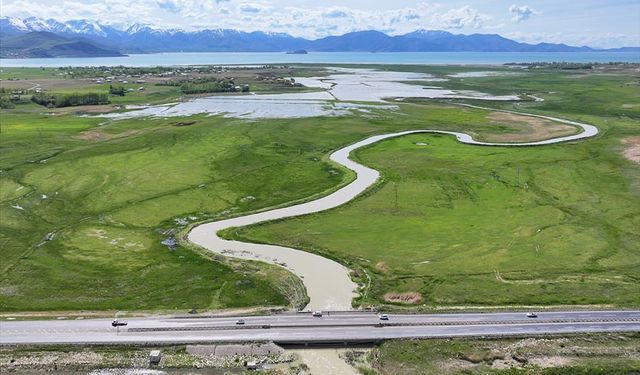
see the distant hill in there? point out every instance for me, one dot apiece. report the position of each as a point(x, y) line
point(138, 38)
point(47, 44)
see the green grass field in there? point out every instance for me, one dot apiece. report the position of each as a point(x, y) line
point(62, 81)
point(85, 206)
point(487, 226)
point(465, 225)
point(602, 354)
point(112, 190)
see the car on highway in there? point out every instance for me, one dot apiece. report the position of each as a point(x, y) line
point(118, 323)
point(383, 317)
point(240, 322)
point(317, 314)
point(532, 315)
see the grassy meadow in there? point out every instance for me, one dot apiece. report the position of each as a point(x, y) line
point(465, 225)
point(457, 225)
point(85, 205)
point(609, 354)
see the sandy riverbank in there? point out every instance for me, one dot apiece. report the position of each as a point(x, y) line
point(328, 283)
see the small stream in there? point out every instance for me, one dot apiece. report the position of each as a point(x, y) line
point(327, 282)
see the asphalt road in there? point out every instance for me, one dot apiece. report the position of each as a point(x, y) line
point(334, 327)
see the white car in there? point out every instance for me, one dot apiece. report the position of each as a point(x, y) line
point(240, 322)
point(532, 315)
point(383, 317)
point(317, 314)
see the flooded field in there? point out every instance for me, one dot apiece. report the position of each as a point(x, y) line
point(369, 85)
point(309, 104)
point(345, 90)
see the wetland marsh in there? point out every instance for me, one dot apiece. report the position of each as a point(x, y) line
point(87, 204)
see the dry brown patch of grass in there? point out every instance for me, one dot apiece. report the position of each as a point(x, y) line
point(632, 149)
point(93, 135)
point(99, 135)
point(405, 298)
point(551, 361)
point(382, 267)
point(529, 128)
point(104, 108)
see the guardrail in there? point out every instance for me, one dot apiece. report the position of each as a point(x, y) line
point(379, 324)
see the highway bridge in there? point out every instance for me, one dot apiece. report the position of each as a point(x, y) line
point(341, 328)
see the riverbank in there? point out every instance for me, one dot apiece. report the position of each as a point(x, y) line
point(610, 353)
point(221, 359)
point(328, 283)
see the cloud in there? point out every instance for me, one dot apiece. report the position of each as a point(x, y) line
point(251, 8)
point(170, 5)
point(465, 17)
point(522, 12)
point(336, 13)
point(252, 15)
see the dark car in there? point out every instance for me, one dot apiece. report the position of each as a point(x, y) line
point(118, 323)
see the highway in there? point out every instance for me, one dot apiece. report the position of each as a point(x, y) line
point(302, 328)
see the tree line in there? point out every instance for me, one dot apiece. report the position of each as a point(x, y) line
point(205, 85)
point(201, 88)
point(53, 100)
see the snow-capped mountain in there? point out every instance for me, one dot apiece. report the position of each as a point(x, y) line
point(13, 25)
point(84, 27)
point(148, 38)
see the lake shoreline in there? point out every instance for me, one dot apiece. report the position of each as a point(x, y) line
point(383, 58)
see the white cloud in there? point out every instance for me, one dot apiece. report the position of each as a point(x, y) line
point(336, 13)
point(252, 8)
point(465, 17)
point(170, 5)
point(522, 12)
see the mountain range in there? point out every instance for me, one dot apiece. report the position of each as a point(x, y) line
point(139, 38)
point(45, 44)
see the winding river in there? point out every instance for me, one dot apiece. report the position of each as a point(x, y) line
point(327, 282)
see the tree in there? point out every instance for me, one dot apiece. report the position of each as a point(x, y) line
point(117, 90)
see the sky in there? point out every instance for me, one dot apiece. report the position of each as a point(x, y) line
point(596, 23)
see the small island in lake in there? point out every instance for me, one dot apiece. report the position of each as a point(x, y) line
point(298, 52)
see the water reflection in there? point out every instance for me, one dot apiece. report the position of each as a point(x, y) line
point(342, 90)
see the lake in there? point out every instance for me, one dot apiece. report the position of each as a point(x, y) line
point(252, 58)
